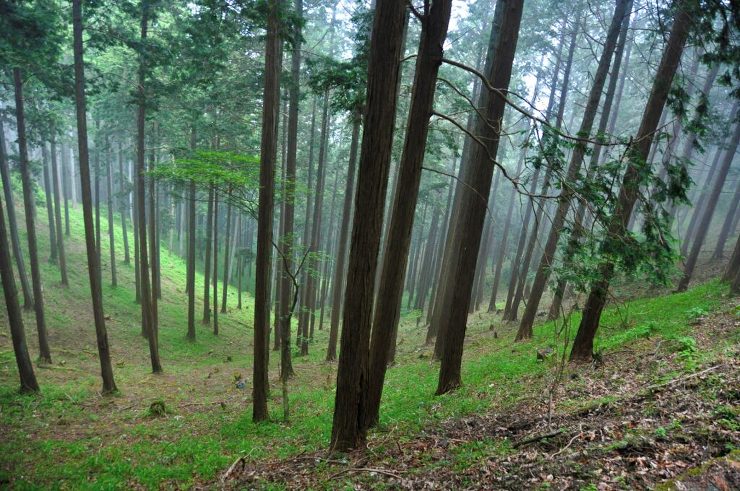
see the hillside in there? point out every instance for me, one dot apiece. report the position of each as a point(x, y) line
point(71, 437)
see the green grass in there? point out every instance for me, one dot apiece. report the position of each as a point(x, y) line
point(68, 437)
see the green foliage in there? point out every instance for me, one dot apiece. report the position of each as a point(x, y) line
point(235, 176)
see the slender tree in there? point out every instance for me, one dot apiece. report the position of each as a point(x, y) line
point(637, 162)
point(58, 213)
point(15, 317)
point(268, 156)
point(111, 231)
point(467, 228)
point(729, 225)
point(708, 212)
point(191, 249)
point(288, 217)
point(30, 211)
point(123, 199)
point(621, 10)
point(147, 298)
point(12, 223)
point(207, 261)
point(341, 256)
point(93, 265)
point(46, 170)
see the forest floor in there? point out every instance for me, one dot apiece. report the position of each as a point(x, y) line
point(657, 412)
point(664, 400)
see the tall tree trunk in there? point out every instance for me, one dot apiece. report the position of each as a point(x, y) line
point(58, 214)
point(504, 238)
point(215, 262)
point(521, 271)
point(153, 237)
point(708, 211)
point(426, 267)
point(15, 317)
point(30, 211)
point(637, 161)
point(329, 243)
point(111, 234)
point(123, 204)
point(341, 257)
point(96, 188)
point(137, 261)
point(12, 223)
point(314, 264)
point(67, 182)
point(733, 267)
point(350, 423)
point(606, 109)
point(191, 249)
point(468, 226)
point(225, 286)
point(46, 170)
point(303, 310)
point(395, 259)
point(729, 224)
point(289, 291)
point(93, 265)
point(621, 10)
point(207, 262)
point(268, 154)
point(439, 254)
point(147, 298)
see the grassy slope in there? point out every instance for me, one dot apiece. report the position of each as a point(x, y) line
point(70, 437)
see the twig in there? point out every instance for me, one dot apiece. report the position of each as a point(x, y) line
point(651, 388)
point(231, 469)
point(537, 438)
point(566, 447)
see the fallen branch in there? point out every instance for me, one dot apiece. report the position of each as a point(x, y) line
point(537, 438)
point(227, 475)
point(566, 447)
point(651, 388)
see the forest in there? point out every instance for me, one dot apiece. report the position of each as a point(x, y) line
point(370, 244)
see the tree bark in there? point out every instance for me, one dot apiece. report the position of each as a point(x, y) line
point(349, 422)
point(225, 280)
point(341, 257)
point(637, 161)
point(215, 262)
point(67, 182)
point(733, 267)
point(207, 261)
point(123, 206)
point(147, 298)
point(61, 252)
point(191, 249)
point(30, 211)
point(468, 226)
point(268, 154)
point(46, 170)
point(93, 265)
point(109, 196)
point(15, 317)
point(13, 224)
point(314, 263)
